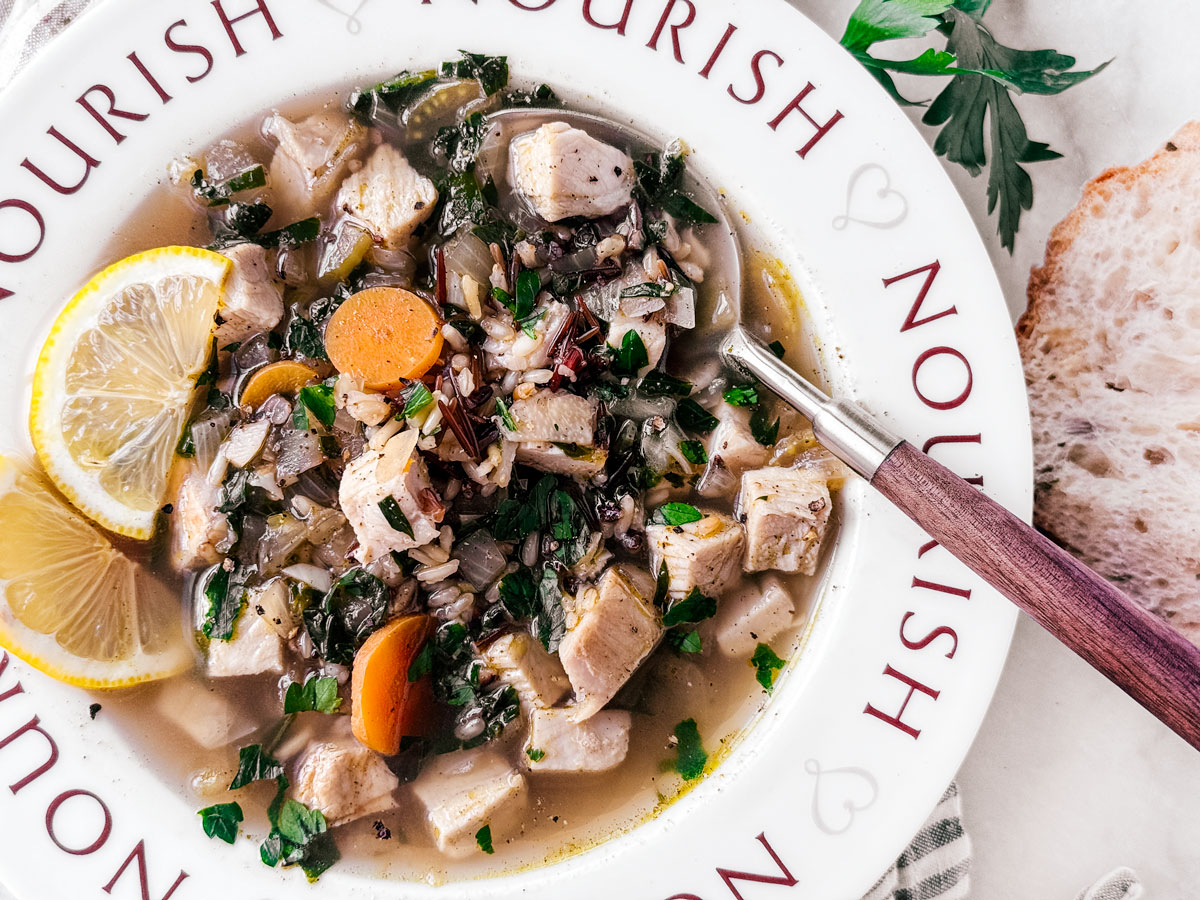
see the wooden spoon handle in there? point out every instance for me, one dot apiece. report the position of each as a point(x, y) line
point(1133, 648)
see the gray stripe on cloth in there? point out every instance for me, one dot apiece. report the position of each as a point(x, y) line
point(1119, 884)
point(936, 863)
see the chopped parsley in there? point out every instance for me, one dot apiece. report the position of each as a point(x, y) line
point(660, 186)
point(395, 516)
point(483, 837)
point(693, 452)
point(690, 756)
point(742, 395)
point(218, 193)
point(491, 71)
point(678, 513)
point(344, 618)
point(764, 430)
point(225, 595)
point(695, 607)
point(632, 356)
point(303, 338)
point(777, 348)
point(648, 289)
point(315, 695)
point(255, 764)
point(221, 821)
point(422, 663)
point(662, 584)
point(660, 384)
point(535, 754)
point(694, 417)
point(767, 665)
point(416, 397)
point(318, 400)
point(685, 641)
point(299, 837)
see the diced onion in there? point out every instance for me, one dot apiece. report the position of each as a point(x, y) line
point(468, 255)
point(298, 452)
point(482, 559)
point(314, 576)
point(245, 442)
point(208, 431)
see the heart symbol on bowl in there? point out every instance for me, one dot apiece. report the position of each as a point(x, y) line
point(839, 795)
point(889, 207)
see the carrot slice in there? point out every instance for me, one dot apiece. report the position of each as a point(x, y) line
point(283, 377)
point(384, 336)
point(385, 705)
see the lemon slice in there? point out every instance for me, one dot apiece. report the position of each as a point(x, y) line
point(73, 605)
point(115, 379)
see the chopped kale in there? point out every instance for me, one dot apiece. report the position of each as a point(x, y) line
point(218, 193)
point(395, 516)
point(660, 186)
point(354, 608)
point(551, 618)
point(459, 144)
point(694, 417)
point(304, 339)
point(648, 289)
point(535, 754)
point(693, 452)
point(491, 71)
point(542, 95)
point(225, 595)
point(777, 348)
point(392, 96)
point(660, 384)
point(662, 585)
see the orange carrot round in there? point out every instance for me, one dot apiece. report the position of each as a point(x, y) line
point(384, 336)
point(385, 706)
point(283, 377)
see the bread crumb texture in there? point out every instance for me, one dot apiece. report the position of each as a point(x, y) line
point(1111, 346)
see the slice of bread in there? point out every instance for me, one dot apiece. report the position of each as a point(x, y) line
point(1111, 345)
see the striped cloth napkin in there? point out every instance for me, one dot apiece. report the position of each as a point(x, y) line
point(936, 865)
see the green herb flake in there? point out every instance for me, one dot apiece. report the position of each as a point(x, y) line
point(422, 663)
point(648, 289)
point(303, 338)
point(767, 665)
point(764, 430)
point(690, 756)
point(685, 641)
point(221, 821)
point(695, 607)
point(777, 348)
point(693, 452)
point(299, 837)
point(224, 594)
point(694, 417)
point(300, 417)
point(505, 415)
point(491, 71)
point(741, 395)
point(528, 285)
point(255, 764)
point(662, 585)
point(632, 356)
point(318, 400)
point(535, 754)
point(315, 695)
point(679, 513)
point(354, 608)
point(416, 397)
point(483, 837)
point(660, 384)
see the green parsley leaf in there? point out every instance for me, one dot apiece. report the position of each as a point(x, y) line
point(225, 595)
point(290, 236)
point(303, 338)
point(315, 695)
point(777, 348)
point(662, 585)
point(318, 400)
point(535, 754)
point(354, 608)
point(695, 607)
point(693, 452)
point(632, 356)
point(767, 666)
point(491, 71)
point(679, 513)
point(885, 20)
point(299, 837)
point(395, 516)
point(221, 821)
point(660, 384)
point(694, 417)
point(505, 415)
point(764, 430)
point(392, 95)
point(422, 663)
point(741, 395)
point(416, 397)
point(518, 593)
point(690, 756)
point(528, 285)
point(255, 764)
point(685, 641)
point(483, 837)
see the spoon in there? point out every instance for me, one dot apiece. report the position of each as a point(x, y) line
point(1133, 648)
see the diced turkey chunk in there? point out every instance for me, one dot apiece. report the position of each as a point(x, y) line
point(561, 745)
point(345, 781)
point(312, 158)
point(254, 649)
point(733, 448)
point(786, 511)
point(555, 416)
point(758, 613)
point(196, 525)
point(205, 715)
point(389, 197)
point(365, 485)
point(614, 629)
point(706, 554)
point(564, 171)
point(651, 330)
point(253, 298)
point(582, 462)
point(536, 676)
point(465, 790)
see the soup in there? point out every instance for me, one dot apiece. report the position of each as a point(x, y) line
point(484, 555)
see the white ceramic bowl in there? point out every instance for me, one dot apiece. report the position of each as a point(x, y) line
point(870, 725)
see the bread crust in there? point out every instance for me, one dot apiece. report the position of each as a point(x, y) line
point(1116, 302)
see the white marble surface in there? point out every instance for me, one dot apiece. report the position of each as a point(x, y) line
point(1069, 778)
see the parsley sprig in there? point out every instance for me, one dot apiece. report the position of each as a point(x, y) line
point(985, 74)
